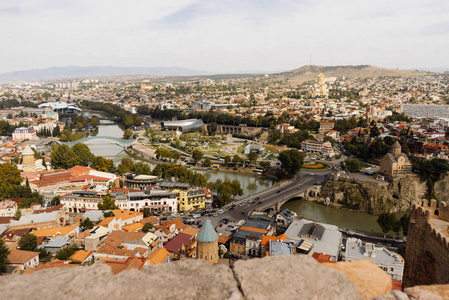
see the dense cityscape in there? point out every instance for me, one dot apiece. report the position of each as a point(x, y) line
point(224, 150)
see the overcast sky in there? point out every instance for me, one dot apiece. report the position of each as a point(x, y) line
point(223, 36)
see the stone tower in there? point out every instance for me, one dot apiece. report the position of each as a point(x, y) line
point(28, 156)
point(207, 243)
point(427, 253)
point(396, 148)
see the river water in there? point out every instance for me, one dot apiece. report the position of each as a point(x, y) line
point(252, 185)
point(343, 218)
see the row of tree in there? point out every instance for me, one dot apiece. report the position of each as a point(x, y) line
point(388, 222)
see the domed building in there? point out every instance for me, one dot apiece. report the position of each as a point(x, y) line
point(207, 243)
point(320, 88)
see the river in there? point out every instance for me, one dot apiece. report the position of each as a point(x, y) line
point(252, 185)
point(249, 183)
point(358, 221)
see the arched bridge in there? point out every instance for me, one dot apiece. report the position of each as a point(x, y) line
point(104, 139)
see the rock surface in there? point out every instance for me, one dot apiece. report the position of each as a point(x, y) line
point(429, 292)
point(291, 277)
point(369, 279)
point(190, 279)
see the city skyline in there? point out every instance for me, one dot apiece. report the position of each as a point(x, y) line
point(223, 37)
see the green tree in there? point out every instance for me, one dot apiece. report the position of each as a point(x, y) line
point(56, 200)
point(87, 224)
point(108, 214)
point(236, 159)
point(207, 162)
point(65, 254)
point(103, 164)
point(44, 255)
point(404, 220)
point(352, 165)
point(94, 121)
point(197, 155)
point(385, 221)
point(212, 128)
point(147, 227)
point(253, 157)
point(18, 214)
point(127, 134)
point(4, 252)
point(291, 161)
point(28, 242)
point(85, 157)
point(227, 160)
point(108, 203)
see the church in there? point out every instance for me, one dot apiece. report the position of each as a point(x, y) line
point(320, 88)
point(395, 163)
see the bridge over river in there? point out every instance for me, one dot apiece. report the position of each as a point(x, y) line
point(92, 140)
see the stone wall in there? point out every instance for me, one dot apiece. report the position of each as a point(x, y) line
point(278, 277)
point(427, 253)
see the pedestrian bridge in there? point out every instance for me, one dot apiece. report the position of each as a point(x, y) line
point(92, 140)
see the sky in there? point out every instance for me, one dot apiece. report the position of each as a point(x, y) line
point(223, 35)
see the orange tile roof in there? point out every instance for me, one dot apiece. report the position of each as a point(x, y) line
point(128, 264)
point(222, 239)
point(151, 219)
point(126, 214)
point(134, 227)
point(56, 231)
point(158, 256)
point(321, 257)
point(253, 229)
point(20, 256)
point(165, 226)
point(105, 222)
point(190, 231)
point(81, 255)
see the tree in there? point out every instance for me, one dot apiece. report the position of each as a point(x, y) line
point(108, 214)
point(85, 157)
point(252, 157)
point(108, 203)
point(65, 254)
point(44, 255)
point(103, 164)
point(207, 162)
point(127, 134)
point(56, 200)
point(227, 160)
point(56, 131)
point(236, 188)
point(4, 252)
point(28, 242)
point(147, 227)
point(87, 224)
point(94, 121)
point(385, 221)
point(236, 159)
point(146, 213)
point(291, 161)
point(212, 128)
point(352, 165)
point(197, 155)
point(18, 214)
point(404, 220)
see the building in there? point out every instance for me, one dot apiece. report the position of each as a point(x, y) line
point(207, 243)
point(315, 238)
point(27, 156)
point(325, 127)
point(24, 133)
point(181, 246)
point(320, 88)
point(395, 163)
point(61, 107)
point(183, 125)
point(8, 208)
point(324, 148)
point(82, 201)
point(141, 182)
point(425, 111)
point(154, 200)
point(392, 263)
point(191, 199)
point(22, 260)
point(247, 239)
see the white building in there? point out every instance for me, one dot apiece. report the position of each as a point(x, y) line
point(425, 111)
point(8, 208)
point(390, 262)
point(154, 200)
point(324, 148)
point(24, 133)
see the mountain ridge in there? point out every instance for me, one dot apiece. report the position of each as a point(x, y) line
point(66, 72)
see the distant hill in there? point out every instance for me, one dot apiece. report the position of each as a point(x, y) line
point(81, 72)
point(310, 72)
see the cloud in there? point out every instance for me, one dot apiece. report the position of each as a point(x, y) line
point(222, 36)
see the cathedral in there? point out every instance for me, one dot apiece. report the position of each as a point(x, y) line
point(320, 89)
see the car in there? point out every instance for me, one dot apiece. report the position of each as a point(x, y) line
point(257, 199)
point(221, 225)
point(230, 227)
point(241, 204)
point(312, 174)
point(278, 191)
point(260, 202)
point(231, 208)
